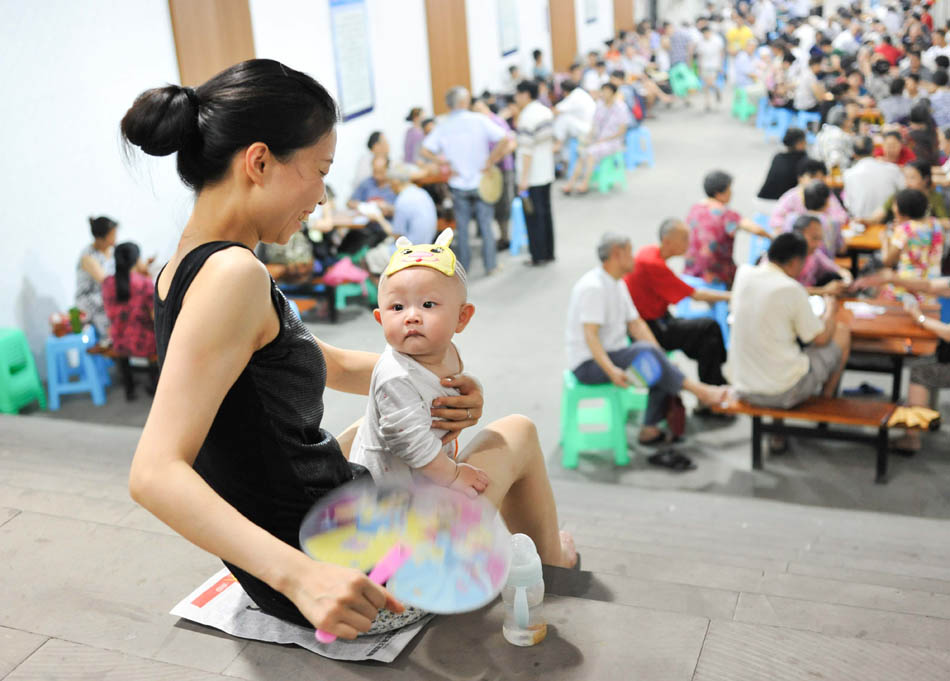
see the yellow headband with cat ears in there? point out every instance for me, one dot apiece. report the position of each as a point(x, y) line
point(437, 256)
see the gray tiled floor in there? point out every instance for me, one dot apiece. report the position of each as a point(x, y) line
point(804, 570)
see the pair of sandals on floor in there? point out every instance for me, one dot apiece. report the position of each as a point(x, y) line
point(676, 423)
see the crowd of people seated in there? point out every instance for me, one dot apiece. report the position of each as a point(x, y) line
point(875, 82)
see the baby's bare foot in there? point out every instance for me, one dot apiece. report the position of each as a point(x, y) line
point(568, 550)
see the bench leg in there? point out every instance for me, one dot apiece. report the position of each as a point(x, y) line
point(757, 443)
point(882, 445)
point(898, 374)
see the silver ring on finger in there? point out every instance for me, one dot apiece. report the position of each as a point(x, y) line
point(469, 412)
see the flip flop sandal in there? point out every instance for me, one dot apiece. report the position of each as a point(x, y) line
point(673, 461)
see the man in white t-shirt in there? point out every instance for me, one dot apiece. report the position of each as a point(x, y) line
point(535, 169)
point(710, 52)
point(601, 318)
point(809, 92)
point(870, 181)
point(574, 114)
point(772, 317)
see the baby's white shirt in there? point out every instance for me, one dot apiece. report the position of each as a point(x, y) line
point(396, 435)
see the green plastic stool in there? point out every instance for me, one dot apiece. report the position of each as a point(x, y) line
point(610, 171)
point(683, 80)
point(742, 108)
point(342, 292)
point(19, 380)
point(615, 405)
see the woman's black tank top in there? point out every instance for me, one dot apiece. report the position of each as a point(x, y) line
point(265, 453)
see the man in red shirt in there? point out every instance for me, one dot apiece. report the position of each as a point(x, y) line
point(654, 287)
point(887, 50)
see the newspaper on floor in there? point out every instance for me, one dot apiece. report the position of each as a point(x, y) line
point(222, 603)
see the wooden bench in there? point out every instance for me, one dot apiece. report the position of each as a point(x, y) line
point(822, 411)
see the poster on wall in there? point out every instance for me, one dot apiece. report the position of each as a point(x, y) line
point(351, 53)
point(590, 11)
point(508, 26)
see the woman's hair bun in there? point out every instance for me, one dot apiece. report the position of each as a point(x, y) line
point(161, 120)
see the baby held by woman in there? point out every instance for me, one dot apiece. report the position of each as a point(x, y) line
point(422, 304)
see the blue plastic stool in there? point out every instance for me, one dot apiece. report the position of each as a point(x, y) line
point(758, 245)
point(639, 147)
point(101, 361)
point(518, 230)
point(802, 121)
point(780, 120)
point(70, 369)
point(591, 428)
point(764, 113)
point(571, 156)
point(688, 308)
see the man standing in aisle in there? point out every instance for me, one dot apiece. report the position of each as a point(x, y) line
point(463, 140)
point(535, 169)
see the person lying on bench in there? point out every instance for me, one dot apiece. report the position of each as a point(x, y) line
point(600, 315)
point(768, 366)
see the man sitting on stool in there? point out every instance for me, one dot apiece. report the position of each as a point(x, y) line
point(600, 315)
point(654, 287)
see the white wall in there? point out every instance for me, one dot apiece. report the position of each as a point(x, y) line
point(489, 69)
point(297, 32)
point(591, 36)
point(70, 71)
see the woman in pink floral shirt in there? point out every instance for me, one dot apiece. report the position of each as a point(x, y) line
point(915, 249)
point(713, 229)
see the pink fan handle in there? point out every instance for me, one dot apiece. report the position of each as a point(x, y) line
point(385, 568)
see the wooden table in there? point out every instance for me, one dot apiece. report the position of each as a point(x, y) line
point(869, 241)
point(891, 335)
point(433, 175)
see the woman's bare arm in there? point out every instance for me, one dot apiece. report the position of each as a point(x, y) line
point(226, 316)
point(94, 269)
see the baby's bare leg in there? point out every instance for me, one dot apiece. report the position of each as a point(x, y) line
point(508, 450)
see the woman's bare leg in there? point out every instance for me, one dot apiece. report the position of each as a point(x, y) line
point(347, 436)
point(508, 450)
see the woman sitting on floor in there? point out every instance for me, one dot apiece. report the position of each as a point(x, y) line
point(233, 453)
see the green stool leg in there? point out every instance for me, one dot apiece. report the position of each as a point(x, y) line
point(570, 435)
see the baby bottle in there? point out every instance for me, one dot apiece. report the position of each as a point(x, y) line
point(524, 624)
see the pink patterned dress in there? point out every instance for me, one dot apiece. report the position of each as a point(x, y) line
point(712, 232)
point(609, 121)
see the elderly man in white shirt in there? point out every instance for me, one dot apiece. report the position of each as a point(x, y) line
point(773, 316)
point(870, 181)
point(601, 318)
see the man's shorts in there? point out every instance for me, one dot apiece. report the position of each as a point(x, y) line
point(822, 362)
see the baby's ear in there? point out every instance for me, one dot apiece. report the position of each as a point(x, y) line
point(377, 316)
point(465, 316)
